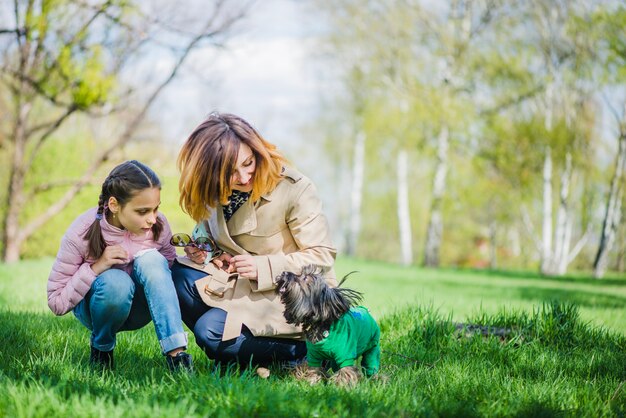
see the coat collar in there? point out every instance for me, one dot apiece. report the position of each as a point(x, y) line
point(244, 219)
point(288, 173)
point(218, 228)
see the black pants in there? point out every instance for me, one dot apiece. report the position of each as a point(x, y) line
point(208, 327)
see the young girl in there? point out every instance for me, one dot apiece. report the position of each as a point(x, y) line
point(112, 269)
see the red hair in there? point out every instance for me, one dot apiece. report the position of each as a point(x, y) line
point(207, 161)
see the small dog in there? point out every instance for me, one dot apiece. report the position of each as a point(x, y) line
point(337, 332)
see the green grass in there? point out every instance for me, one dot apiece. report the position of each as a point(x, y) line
point(565, 354)
point(388, 287)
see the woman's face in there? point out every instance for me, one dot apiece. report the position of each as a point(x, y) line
point(243, 174)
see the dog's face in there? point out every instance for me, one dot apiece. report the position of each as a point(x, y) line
point(309, 301)
point(300, 293)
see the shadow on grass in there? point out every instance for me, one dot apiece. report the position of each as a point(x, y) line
point(416, 338)
point(539, 409)
point(56, 350)
point(541, 294)
point(46, 359)
point(568, 278)
point(580, 298)
point(34, 336)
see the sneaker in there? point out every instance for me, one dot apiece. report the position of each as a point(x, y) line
point(101, 359)
point(181, 361)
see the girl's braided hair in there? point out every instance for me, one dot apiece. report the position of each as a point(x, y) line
point(123, 183)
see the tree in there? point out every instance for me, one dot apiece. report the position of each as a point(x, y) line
point(62, 58)
point(613, 210)
point(418, 60)
point(610, 52)
point(545, 54)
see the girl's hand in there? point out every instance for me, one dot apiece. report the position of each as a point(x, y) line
point(223, 262)
point(112, 255)
point(245, 265)
point(195, 254)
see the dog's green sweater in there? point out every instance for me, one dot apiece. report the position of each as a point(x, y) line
point(354, 334)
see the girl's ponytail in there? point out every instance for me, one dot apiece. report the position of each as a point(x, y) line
point(93, 236)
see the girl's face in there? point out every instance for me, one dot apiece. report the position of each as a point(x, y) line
point(139, 213)
point(243, 174)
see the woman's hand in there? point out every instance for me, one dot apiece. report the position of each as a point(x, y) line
point(111, 256)
point(223, 262)
point(195, 254)
point(245, 266)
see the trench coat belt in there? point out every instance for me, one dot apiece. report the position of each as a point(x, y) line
point(233, 324)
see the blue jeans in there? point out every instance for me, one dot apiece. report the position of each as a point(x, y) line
point(121, 302)
point(208, 327)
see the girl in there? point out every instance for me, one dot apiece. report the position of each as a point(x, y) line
point(112, 269)
point(267, 218)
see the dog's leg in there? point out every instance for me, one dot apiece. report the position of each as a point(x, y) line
point(371, 365)
point(347, 376)
point(313, 375)
point(371, 361)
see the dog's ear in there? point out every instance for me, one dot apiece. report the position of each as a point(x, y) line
point(346, 276)
point(314, 270)
point(352, 297)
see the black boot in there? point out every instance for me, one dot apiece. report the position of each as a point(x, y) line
point(101, 359)
point(181, 361)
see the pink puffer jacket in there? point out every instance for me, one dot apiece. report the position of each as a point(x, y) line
point(71, 276)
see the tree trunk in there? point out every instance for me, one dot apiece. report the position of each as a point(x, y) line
point(25, 91)
point(564, 256)
point(15, 195)
point(435, 223)
point(621, 253)
point(493, 245)
point(563, 232)
point(404, 214)
point(356, 193)
point(513, 237)
point(546, 231)
point(612, 213)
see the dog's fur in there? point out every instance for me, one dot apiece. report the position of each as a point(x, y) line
point(311, 303)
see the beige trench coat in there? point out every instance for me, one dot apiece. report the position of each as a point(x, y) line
point(284, 230)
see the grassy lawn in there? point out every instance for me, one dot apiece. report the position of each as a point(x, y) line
point(564, 354)
point(459, 293)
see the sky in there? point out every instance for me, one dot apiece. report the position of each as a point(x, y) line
point(270, 75)
point(265, 74)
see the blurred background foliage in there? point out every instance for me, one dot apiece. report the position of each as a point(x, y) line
point(509, 113)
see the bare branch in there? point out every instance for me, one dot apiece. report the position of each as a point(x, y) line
point(485, 18)
point(48, 124)
point(17, 31)
point(53, 209)
point(55, 64)
point(579, 245)
point(530, 229)
point(125, 137)
point(51, 129)
point(22, 77)
point(513, 101)
point(44, 187)
point(616, 115)
point(103, 10)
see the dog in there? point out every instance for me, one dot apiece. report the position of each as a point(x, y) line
point(337, 331)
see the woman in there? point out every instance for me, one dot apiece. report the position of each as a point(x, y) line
point(266, 218)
